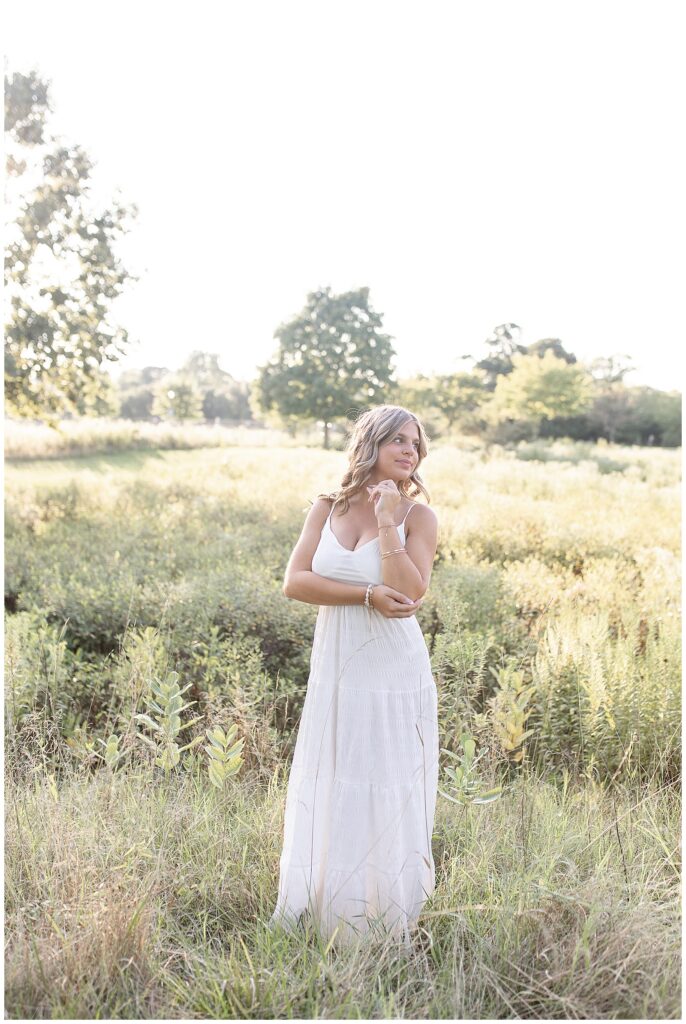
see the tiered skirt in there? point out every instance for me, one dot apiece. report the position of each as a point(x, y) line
point(362, 787)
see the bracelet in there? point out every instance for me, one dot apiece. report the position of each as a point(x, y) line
point(367, 596)
point(386, 554)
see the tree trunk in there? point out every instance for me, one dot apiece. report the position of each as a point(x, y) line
point(326, 434)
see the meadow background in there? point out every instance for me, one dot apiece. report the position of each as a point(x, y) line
point(225, 237)
point(139, 876)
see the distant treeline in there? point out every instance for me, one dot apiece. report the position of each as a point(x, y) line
point(511, 394)
point(332, 360)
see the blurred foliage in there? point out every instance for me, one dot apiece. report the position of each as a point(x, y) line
point(62, 273)
point(568, 581)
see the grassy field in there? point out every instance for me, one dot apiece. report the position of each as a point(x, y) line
point(138, 881)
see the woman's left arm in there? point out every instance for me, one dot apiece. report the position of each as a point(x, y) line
point(409, 571)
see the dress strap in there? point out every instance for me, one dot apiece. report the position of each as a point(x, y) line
point(333, 503)
point(407, 514)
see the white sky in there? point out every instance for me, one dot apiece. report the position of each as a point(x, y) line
point(472, 163)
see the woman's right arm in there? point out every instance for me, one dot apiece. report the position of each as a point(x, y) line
point(300, 582)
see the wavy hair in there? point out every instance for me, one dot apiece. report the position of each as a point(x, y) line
point(372, 429)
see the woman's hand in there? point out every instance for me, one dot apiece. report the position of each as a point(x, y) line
point(392, 603)
point(387, 497)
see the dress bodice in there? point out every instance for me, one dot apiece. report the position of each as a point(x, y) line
point(336, 562)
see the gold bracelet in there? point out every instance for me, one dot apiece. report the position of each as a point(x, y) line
point(385, 554)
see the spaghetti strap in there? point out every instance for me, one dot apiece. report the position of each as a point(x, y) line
point(333, 504)
point(407, 513)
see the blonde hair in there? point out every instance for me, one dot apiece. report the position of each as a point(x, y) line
point(372, 429)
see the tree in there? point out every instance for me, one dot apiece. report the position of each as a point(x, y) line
point(442, 400)
point(655, 418)
point(141, 377)
point(610, 413)
point(332, 358)
point(136, 404)
point(458, 395)
point(503, 346)
point(419, 394)
point(178, 398)
point(610, 370)
point(540, 388)
point(229, 402)
point(204, 368)
point(554, 345)
point(136, 391)
point(61, 271)
point(223, 397)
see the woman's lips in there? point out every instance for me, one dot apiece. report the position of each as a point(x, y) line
point(404, 462)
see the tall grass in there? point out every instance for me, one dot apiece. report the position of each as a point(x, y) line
point(31, 439)
point(131, 896)
point(135, 889)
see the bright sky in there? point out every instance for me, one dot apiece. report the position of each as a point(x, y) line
point(472, 163)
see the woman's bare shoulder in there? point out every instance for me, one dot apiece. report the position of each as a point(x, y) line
point(319, 509)
point(423, 515)
point(427, 511)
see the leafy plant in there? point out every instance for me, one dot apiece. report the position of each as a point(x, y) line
point(166, 705)
point(113, 754)
point(465, 781)
point(508, 711)
point(224, 755)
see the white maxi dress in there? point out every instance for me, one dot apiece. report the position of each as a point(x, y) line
point(362, 787)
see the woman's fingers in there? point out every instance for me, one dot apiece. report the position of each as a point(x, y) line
point(404, 611)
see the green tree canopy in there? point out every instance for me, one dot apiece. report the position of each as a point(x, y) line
point(554, 345)
point(539, 388)
point(458, 395)
point(332, 359)
point(61, 270)
point(223, 397)
point(177, 398)
point(656, 418)
point(502, 346)
point(442, 401)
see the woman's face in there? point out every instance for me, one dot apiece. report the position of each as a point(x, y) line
point(399, 456)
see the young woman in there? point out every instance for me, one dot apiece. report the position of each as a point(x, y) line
point(362, 787)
